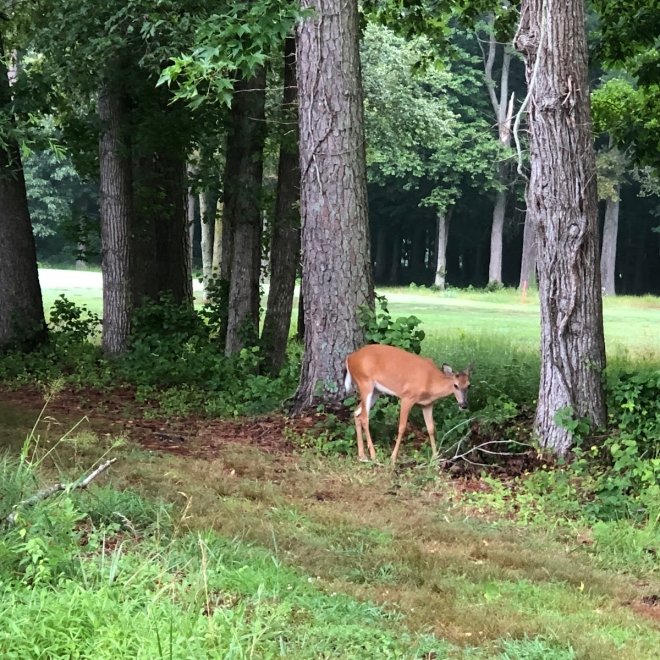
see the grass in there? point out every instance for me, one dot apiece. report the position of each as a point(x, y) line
point(273, 555)
point(632, 323)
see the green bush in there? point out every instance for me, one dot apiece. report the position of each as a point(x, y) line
point(380, 328)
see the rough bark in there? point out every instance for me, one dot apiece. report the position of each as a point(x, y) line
point(337, 276)
point(243, 181)
point(285, 242)
point(21, 308)
point(608, 254)
point(562, 199)
point(172, 237)
point(528, 261)
point(442, 234)
point(115, 210)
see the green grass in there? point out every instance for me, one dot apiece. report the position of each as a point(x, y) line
point(270, 555)
point(632, 324)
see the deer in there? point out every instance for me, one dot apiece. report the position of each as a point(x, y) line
point(415, 380)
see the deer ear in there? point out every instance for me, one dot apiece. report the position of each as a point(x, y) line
point(447, 370)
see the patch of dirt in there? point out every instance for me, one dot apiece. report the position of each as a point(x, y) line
point(648, 606)
point(117, 413)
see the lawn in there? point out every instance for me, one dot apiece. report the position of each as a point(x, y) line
point(632, 324)
point(279, 552)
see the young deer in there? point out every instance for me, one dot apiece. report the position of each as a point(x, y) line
point(413, 379)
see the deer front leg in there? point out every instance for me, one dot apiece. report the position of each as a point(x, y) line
point(430, 427)
point(406, 405)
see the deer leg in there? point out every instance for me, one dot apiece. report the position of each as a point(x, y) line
point(406, 405)
point(430, 427)
point(366, 405)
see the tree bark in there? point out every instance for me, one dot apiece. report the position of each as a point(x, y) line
point(22, 320)
point(496, 237)
point(217, 238)
point(562, 199)
point(528, 261)
point(337, 276)
point(608, 254)
point(191, 215)
point(243, 181)
point(442, 224)
point(115, 210)
point(172, 237)
point(285, 242)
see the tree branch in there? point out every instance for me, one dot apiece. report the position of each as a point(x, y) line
point(56, 488)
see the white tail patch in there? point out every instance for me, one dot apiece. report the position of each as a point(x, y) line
point(348, 381)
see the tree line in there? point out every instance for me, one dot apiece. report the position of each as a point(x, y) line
point(265, 117)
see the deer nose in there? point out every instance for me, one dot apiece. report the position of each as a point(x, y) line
point(463, 406)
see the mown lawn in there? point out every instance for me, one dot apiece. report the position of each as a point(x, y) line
point(632, 324)
point(284, 553)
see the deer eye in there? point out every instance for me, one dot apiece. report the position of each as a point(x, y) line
point(455, 386)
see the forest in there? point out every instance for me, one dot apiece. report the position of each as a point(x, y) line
point(226, 227)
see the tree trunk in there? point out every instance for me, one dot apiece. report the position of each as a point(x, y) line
point(528, 261)
point(218, 233)
point(608, 254)
point(144, 281)
point(442, 224)
point(562, 199)
point(22, 320)
point(496, 234)
point(115, 209)
point(504, 114)
point(172, 236)
point(285, 242)
point(191, 214)
point(243, 180)
point(337, 276)
point(207, 207)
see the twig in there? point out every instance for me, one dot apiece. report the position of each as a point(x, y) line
point(56, 488)
point(480, 447)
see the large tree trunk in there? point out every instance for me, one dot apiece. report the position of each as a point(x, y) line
point(172, 237)
point(608, 254)
point(442, 225)
point(285, 242)
point(562, 198)
point(337, 276)
point(144, 281)
point(243, 180)
point(22, 320)
point(115, 208)
point(528, 261)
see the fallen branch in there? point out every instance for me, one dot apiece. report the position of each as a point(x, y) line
point(482, 446)
point(56, 488)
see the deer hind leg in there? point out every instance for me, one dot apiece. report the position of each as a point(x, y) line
point(406, 405)
point(367, 400)
point(430, 427)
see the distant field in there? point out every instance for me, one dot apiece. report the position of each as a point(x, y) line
point(632, 324)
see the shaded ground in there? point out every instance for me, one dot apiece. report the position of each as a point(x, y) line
point(402, 538)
